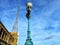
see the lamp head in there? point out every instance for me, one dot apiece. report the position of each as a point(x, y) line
point(29, 6)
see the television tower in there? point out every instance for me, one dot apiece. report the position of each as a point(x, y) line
point(15, 26)
point(14, 31)
point(28, 40)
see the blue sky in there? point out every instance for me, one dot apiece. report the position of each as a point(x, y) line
point(44, 22)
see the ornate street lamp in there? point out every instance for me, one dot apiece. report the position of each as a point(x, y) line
point(28, 40)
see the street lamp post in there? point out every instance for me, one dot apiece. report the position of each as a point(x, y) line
point(28, 40)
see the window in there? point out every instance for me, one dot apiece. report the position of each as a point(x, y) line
point(3, 35)
point(0, 32)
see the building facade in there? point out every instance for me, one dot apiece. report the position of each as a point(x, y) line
point(15, 36)
point(6, 38)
